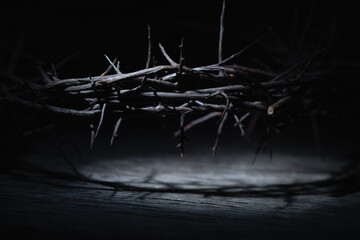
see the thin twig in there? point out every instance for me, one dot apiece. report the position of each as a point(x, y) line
point(109, 68)
point(226, 105)
point(239, 122)
point(43, 74)
point(54, 71)
point(301, 74)
point(197, 122)
point(281, 75)
point(101, 119)
point(245, 116)
point(92, 135)
point(240, 52)
point(168, 58)
point(67, 111)
point(181, 61)
point(221, 33)
point(180, 145)
point(118, 64)
point(116, 130)
point(149, 49)
point(218, 133)
point(113, 65)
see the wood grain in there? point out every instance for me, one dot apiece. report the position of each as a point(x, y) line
point(291, 197)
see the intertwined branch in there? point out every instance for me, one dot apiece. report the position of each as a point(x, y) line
point(220, 90)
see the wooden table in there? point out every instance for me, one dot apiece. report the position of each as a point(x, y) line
point(157, 194)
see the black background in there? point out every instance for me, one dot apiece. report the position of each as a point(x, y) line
point(55, 30)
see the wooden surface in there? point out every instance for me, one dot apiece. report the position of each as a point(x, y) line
point(159, 195)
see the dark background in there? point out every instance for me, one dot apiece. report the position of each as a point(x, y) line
point(53, 31)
